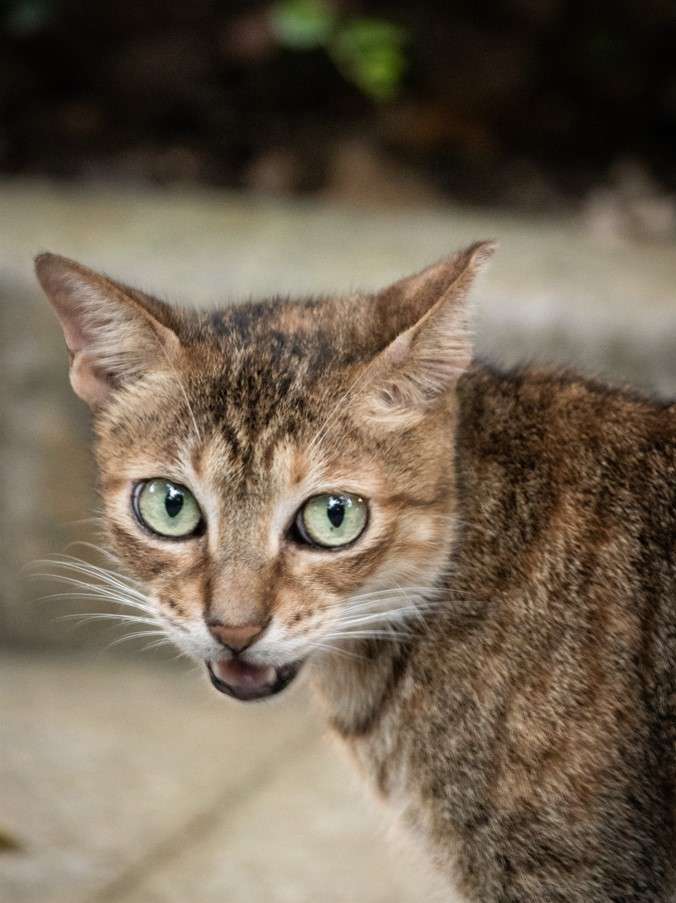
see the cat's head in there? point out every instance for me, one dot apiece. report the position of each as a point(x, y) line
point(278, 476)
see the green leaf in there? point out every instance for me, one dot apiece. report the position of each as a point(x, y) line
point(302, 24)
point(370, 53)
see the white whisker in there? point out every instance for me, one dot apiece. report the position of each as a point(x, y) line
point(162, 642)
point(108, 616)
point(135, 636)
point(107, 583)
point(95, 592)
point(393, 636)
point(100, 550)
point(330, 648)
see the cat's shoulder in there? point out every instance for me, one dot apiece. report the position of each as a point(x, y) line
point(558, 386)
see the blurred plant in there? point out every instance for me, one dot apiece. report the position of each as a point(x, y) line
point(303, 24)
point(22, 17)
point(368, 51)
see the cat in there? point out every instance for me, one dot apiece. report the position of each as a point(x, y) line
point(476, 569)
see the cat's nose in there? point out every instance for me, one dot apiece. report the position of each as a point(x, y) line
point(237, 639)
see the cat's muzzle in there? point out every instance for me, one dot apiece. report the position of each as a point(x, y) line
point(248, 682)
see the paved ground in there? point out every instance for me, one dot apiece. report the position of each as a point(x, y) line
point(125, 782)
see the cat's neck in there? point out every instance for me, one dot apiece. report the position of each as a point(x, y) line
point(356, 683)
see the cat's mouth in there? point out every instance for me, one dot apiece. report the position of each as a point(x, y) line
point(247, 682)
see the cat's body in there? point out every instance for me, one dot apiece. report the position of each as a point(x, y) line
point(529, 727)
point(494, 637)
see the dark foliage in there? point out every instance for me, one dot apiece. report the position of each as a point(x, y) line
point(546, 91)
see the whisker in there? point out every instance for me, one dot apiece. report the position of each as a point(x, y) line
point(384, 607)
point(95, 592)
point(413, 607)
point(83, 521)
point(376, 617)
point(328, 647)
point(96, 589)
point(157, 644)
point(100, 550)
point(70, 562)
point(107, 616)
point(107, 584)
point(388, 604)
point(384, 602)
point(393, 636)
point(78, 566)
point(394, 590)
point(135, 636)
point(384, 630)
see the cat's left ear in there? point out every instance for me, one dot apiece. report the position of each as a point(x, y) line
point(426, 359)
point(114, 334)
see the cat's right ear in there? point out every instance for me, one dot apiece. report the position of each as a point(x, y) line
point(432, 350)
point(113, 333)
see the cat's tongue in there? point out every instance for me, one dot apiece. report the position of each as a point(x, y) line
point(243, 677)
point(246, 681)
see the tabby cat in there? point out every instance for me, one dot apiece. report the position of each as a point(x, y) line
point(476, 569)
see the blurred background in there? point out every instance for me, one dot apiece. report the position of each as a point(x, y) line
point(212, 151)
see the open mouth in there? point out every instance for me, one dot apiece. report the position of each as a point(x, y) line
point(247, 682)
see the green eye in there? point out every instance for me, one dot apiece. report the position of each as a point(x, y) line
point(167, 508)
point(332, 520)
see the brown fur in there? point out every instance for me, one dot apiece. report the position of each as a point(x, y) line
point(524, 721)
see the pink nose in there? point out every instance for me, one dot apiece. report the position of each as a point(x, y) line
point(235, 638)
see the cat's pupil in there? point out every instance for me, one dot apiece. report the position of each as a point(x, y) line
point(173, 501)
point(335, 511)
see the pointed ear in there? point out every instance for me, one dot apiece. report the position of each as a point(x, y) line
point(426, 359)
point(113, 333)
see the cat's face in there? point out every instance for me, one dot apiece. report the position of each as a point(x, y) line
point(278, 477)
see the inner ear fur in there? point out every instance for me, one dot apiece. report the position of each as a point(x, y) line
point(114, 334)
point(426, 358)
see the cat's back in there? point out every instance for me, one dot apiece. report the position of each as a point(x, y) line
point(568, 492)
point(554, 666)
point(559, 443)
point(578, 477)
